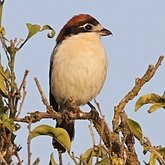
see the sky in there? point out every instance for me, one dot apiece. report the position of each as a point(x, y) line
point(138, 40)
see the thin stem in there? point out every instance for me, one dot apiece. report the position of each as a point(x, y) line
point(24, 94)
point(73, 158)
point(3, 160)
point(154, 151)
point(135, 90)
point(1, 8)
point(37, 161)
point(92, 133)
point(43, 97)
point(29, 145)
point(22, 102)
point(24, 79)
point(5, 47)
point(23, 44)
point(60, 157)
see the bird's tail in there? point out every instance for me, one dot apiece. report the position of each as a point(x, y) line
point(69, 127)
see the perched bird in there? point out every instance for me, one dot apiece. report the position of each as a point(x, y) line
point(78, 66)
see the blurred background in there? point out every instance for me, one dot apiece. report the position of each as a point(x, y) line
point(138, 40)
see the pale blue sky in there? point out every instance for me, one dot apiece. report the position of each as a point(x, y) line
point(138, 39)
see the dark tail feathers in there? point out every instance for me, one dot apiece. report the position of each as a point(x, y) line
point(69, 127)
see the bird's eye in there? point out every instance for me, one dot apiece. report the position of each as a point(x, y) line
point(88, 27)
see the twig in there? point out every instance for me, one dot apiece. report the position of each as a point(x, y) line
point(128, 141)
point(3, 160)
point(23, 44)
point(73, 158)
point(24, 79)
point(22, 102)
point(92, 134)
point(43, 97)
point(102, 116)
point(19, 42)
point(18, 158)
point(36, 162)
point(4, 76)
point(98, 107)
point(29, 144)
point(135, 90)
point(37, 116)
point(4, 45)
point(60, 157)
point(154, 151)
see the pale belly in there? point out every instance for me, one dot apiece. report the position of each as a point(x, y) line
point(80, 76)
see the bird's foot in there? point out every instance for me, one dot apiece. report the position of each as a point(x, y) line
point(93, 112)
point(65, 115)
point(71, 105)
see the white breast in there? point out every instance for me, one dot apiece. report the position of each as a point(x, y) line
point(79, 68)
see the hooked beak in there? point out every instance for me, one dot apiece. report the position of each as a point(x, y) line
point(105, 32)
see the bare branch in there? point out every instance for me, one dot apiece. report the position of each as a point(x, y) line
point(24, 79)
point(43, 97)
point(29, 144)
point(22, 102)
point(2, 160)
point(36, 162)
point(92, 133)
point(135, 90)
point(154, 151)
point(129, 140)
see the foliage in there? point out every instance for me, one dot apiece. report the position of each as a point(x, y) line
point(58, 134)
point(151, 98)
point(118, 147)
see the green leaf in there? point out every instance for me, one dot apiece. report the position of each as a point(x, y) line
point(7, 73)
point(104, 161)
point(87, 156)
point(48, 27)
point(155, 107)
point(95, 152)
point(2, 31)
point(32, 29)
point(146, 148)
point(58, 134)
point(16, 127)
point(52, 161)
point(152, 160)
point(135, 129)
point(3, 88)
point(162, 151)
point(116, 160)
point(148, 98)
point(7, 122)
point(154, 157)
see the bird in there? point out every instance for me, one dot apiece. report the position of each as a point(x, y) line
point(78, 66)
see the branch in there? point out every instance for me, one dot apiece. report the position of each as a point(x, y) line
point(43, 97)
point(129, 141)
point(24, 79)
point(29, 144)
point(117, 145)
point(135, 90)
point(110, 139)
point(154, 151)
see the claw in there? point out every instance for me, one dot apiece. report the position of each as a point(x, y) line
point(65, 115)
point(93, 112)
point(91, 106)
point(94, 115)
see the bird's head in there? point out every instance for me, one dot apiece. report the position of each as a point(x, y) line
point(82, 23)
